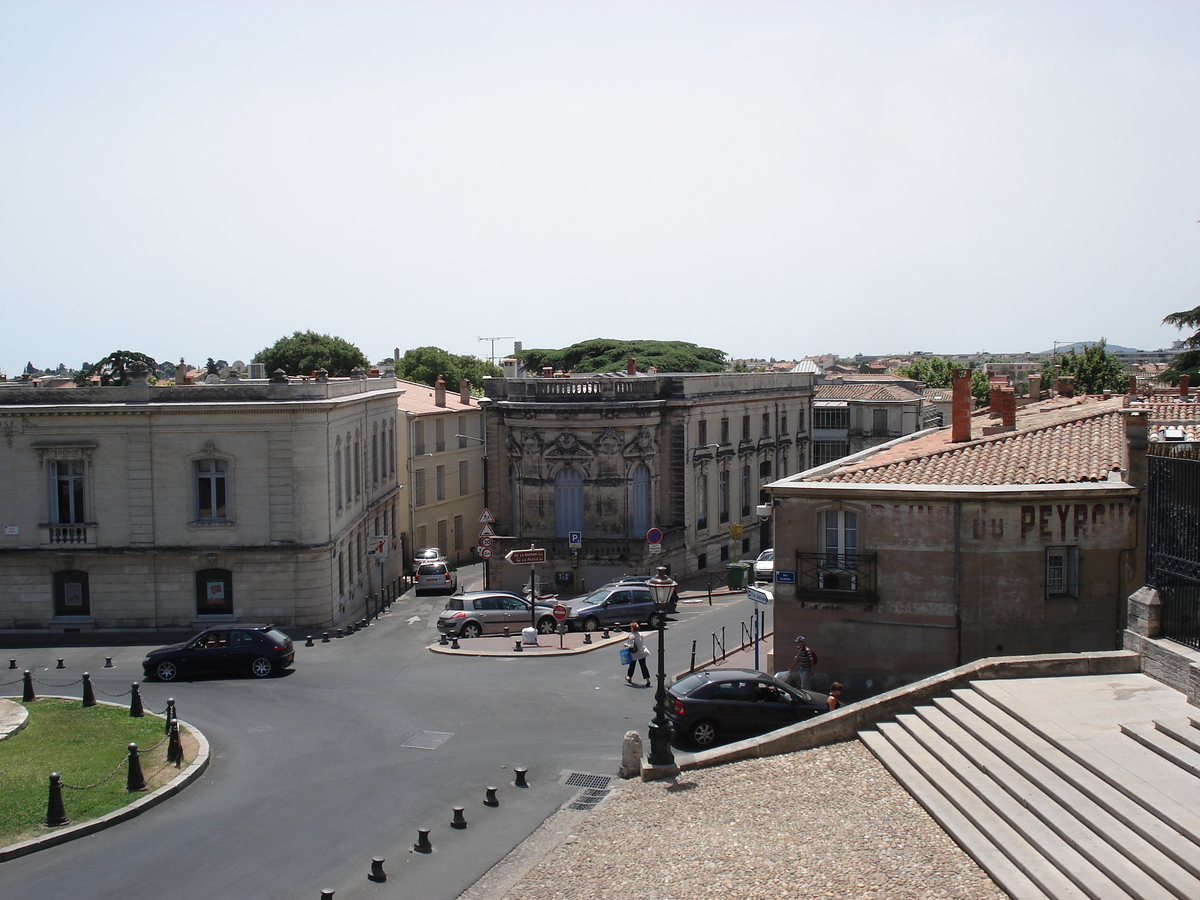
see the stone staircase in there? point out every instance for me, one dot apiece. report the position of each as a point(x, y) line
point(1099, 809)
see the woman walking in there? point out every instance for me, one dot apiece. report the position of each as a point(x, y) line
point(637, 653)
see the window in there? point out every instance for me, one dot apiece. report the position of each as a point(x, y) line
point(702, 502)
point(723, 496)
point(375, 456)
point(724, 431)
point(745, 428)
point(462, 432)
point(568, 502)
point(440, 483)
point(212, 488)
point(879, 421)
point(443, 537)
point(68, 485)
point(839, 536)
point(341, 575)
point(783, 422)
point(458, 533)
point(464, 478)
point(1062, 572)
point(827, 451)
point(214, 592)
point(439, 435)
point(337, 476)
point(419, 487)
point(766, 425)
point(391, 451)
point(800, 420)
point(832, 417)
point(418, 438)
point(746, 490)
point(71, 593)
point(357, 466)
point(639, 502)
point(701, 433)
point(422, 537)
point(349, 471)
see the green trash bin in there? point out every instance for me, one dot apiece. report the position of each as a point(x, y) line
point(737, 575)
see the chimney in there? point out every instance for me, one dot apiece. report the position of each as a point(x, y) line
point(1035, 386)
point(1065, 385)
point(1008, 408)
point(1184, 381)
point(1133, 385)
point(439, 391)
point(547, 371)
point(995, 404)
point(960, 416)
point(464, 392)
point(631, 366)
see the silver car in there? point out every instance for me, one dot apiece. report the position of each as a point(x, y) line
point(489, 612)
point(435, 577)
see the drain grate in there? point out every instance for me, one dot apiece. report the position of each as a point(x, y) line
point(428, 740)
point(595, 789)
point(579, 779)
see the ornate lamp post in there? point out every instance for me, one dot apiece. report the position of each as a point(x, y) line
point(661, 588)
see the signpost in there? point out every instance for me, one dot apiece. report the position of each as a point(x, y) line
point(486, 519)
point(574, 540)
point(760, 598)
point(531, 558)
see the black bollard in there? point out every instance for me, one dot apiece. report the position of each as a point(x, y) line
point(60, 665)
point(324, 637)
point(459, 820)
point(89, 695)
point(135, 702)
point(454, 643)
point(175, 746)
point(135, 781)
point(12, 663)
point(377, 874)
point(340, 634)
point(308, 641)
point(56, 815)
point(108, 662)
point(171, 715)
point(443, 641)
point(27, 695)
point(520, 773)
point(605, 633)
point(490, 798)
point(517, 648)
point(587, 637)
point(507, 633)
point(422, 845)
point(326, 894)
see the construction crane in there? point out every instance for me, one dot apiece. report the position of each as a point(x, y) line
point(492, 340)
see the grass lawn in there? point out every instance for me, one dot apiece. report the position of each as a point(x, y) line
point(84, 746)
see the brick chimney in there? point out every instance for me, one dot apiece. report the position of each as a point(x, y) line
point(1008, 408)
point(1035, 386)
point(995, 404)
point(960, 410)
point(1133, 385)
point(439, 391)
point(464, 392)
point(1184, 382)
point(631, 366)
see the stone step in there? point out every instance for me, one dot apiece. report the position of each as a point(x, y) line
point(1152, 843)
point(1107, 842)
point(1078, 865)
point(1164, 745)
point(1188, 735)
point(1002, 870)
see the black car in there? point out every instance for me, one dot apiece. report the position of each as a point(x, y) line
point(257, 649)
point(705, 705)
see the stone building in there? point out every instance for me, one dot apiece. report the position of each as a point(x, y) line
point(932, 551)
point(851, 417)
point(609, 457)
point(146, 507)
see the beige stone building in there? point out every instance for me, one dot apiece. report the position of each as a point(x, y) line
point(155, 507)
point(974, 540)
point(609, 457)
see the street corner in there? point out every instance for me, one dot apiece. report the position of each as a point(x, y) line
point(514, 645)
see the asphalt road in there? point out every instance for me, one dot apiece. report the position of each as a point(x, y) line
point(310, 776)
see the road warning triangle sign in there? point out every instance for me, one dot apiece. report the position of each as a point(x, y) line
point(486, 531)
point(486, 516)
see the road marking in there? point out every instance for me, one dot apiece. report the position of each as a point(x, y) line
point(412, 620)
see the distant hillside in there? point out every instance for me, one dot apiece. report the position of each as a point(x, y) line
point(1080, 346)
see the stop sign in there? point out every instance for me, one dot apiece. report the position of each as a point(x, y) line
point(560, 612)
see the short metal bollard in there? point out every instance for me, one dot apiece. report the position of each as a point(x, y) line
point(422, 845)
point(454, 644)
point(490, 798)
point(339, 633)
point(587, 637)
point(56, 815)
point(324, 637)
point(27, 695)
point(443, 641)
point(135, 702)
point(520, 773)
point(135, 781)
point(108, 662)
point(605, 634)
point(507, 633)
point(459, 820)
point(377, 874)
point(308, 641)
point(89, 695)
point(517, 648)
point(12, 663)
point(60, 664)
point(326, 894)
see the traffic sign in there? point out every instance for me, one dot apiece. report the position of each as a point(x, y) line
point(377, 546)
point(560, 612)
point(485, 541)
point(785, 577)
point(574, 540)
point(655, 548)
point(758, 595)
point(735, 531)
point(485, 552)
point(526, 557)
point(486, 516)
point(486, 531)
point(654, 535)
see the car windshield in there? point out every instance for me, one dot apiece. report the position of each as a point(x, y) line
point(277, 636)
point(767, 556)
point(690, 683)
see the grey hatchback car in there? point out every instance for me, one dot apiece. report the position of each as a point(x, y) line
point(489, 612)
point(613, 604)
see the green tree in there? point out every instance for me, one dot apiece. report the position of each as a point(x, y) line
point(606, 355)
point(424, 364)
point(306, 351)
point(118, 366)
point(1095, 369)
point(938, 372)
point(1187, 362)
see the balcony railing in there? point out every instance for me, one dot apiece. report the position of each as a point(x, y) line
point(834, 575)
point(68, 535)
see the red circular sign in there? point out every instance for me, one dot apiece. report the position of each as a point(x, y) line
point(654, 536)
point(485, 552)
point(485, 541)
point(560, 612)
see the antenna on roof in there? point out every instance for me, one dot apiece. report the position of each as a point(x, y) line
point(492, 356)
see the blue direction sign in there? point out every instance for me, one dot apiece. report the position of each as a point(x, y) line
point(785, 577)
point(758, 595)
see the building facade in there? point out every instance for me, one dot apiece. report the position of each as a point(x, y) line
point(144, 507)
point(607, 458)
point(849, 418)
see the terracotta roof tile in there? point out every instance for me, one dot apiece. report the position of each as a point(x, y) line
point(862, 392)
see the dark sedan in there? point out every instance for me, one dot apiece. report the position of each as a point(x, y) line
point(259, 650)
point(705, 705)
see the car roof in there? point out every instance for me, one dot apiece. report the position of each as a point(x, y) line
point(472, 594)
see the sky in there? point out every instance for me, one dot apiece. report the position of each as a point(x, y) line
point(190, 179)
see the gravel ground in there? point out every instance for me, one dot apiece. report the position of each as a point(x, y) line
point(827, 822)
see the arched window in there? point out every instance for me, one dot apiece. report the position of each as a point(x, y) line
point(640, 513)
point(568, 502)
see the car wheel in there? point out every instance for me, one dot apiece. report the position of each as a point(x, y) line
point(261, 667)
point(656, 619)
point(591, 623)
point(471, 630)
point(166, 671)
point(547, 625)
point(704, 733)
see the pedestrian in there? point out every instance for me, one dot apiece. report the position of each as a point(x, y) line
point(800, 672)
point(637, 653)
point(835, 696)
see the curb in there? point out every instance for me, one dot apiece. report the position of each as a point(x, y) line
point(530, 652)
point(170, 789)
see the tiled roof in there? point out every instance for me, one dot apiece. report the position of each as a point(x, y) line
point(1064, 441)
point(1160, 411)
point(418, 399)
point(862, 392)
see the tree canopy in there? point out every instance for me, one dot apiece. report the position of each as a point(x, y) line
point(1187, 362)
point(306, 351)
point(424, 364)
point(938, 372)
point(605, 355)
point(117, 367)
point(1095, 369)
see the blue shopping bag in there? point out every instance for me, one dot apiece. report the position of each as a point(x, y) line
point(626, 656)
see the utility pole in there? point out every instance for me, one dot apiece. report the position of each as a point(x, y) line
point(492, 340)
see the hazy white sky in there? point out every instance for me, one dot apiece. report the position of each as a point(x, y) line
point(194, 179)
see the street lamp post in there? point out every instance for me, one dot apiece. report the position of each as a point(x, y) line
point(661, 588)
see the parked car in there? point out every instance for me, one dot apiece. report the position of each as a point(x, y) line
point(435, 577)
point(615, 604)
point(644, 579)
point(428, 555)
point(764, 566)
point(705, 705)
point(257, 649)
point(488, 612)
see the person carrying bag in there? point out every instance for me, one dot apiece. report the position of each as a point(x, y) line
point(635, 652)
